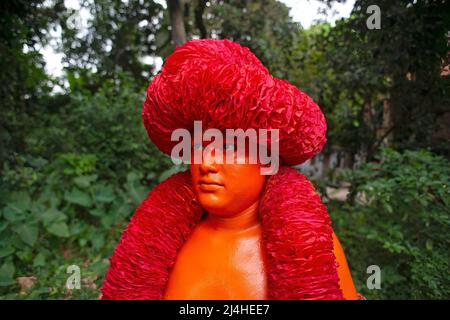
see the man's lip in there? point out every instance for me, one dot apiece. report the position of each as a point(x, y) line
point(209, 186)
point(211, 183)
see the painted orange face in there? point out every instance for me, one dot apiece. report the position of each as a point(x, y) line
point(227, 189)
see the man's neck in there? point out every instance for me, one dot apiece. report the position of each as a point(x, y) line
point(244, 220)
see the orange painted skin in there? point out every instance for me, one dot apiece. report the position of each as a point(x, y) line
point(223, 258)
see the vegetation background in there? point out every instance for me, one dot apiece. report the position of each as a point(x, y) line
point(75, 160)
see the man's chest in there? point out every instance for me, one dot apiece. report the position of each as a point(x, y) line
point(219, 265)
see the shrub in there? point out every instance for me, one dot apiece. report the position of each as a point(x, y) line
point(66, 200)
point(397, 217)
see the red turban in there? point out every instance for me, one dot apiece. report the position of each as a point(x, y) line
point(225, 86)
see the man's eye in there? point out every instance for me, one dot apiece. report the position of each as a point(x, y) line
point(197, 146)
point(228, 147)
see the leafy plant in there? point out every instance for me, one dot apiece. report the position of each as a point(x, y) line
point(67, 200)
point(398, 217)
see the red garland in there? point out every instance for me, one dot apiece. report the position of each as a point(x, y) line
point(297, 240)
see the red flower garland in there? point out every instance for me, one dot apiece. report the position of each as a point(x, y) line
point(297, 240)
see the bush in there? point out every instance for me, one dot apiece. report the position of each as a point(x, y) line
point(66, 200)
point(398, 217)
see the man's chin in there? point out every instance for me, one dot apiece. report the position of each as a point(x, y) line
point(213, 204)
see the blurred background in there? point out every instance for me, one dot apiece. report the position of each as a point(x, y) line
point(75, 160)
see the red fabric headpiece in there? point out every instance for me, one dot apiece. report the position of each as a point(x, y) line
point(225, 86)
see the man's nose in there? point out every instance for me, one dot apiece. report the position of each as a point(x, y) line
point(208, 163)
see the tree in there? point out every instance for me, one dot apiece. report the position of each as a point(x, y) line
point(121, 37)
point(263, 26)
point(25, 85)
point(385, 83)
point(177, 21)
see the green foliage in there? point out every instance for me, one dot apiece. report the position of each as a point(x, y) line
point(25, 84)
point(398, 217)
point(263, 26)
point(71, 194)
point(120, 34)
point(378, 84)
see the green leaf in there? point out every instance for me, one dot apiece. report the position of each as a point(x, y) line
point(136, 191)
point(7, 274)
point(25, 255)
point(28, 233)
point(388, 207)
point(141, 192)
point(12, 214)
point(107, 221)
point(53, 215)
point(82, 242)
point(20, 201)
point(79, 197)
point(97, 212)
point(3, 225)
point(59, 229)
point(6, 251)
point(39, 260)
point(172, 170)
point(98, 240)
point(105, 194)
point(132, 176)
point(84, 181)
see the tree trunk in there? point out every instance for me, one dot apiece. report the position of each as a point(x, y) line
point(177, 21)
point(325, 163)
point(201, 4)
point(385, 133)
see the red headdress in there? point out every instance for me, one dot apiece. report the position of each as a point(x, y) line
point(225, 86)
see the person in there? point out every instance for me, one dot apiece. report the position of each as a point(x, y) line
point(223, 230)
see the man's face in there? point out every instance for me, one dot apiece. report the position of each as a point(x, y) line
point(226, 189)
